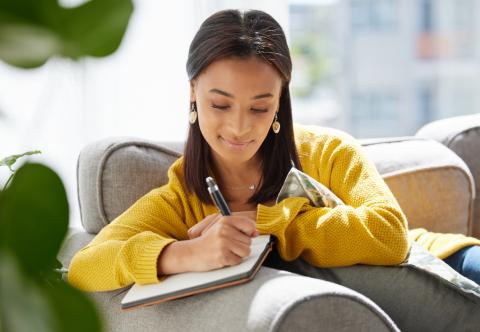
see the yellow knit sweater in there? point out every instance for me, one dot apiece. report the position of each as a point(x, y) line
point(370, 229)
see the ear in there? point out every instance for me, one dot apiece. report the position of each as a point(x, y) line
point(193, 85)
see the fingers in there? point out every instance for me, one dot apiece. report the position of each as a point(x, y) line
point(244, 221)
point(243, 224)
point(209, 226)
point(235, 252)
point(240, 248)
point(198, 229)
point(239, 236)
point(232, 259)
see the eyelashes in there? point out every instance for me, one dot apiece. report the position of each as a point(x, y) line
point(219, 107)
point(256, 110)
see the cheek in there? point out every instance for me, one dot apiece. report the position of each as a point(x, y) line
point(266, 123)
point(208, 125)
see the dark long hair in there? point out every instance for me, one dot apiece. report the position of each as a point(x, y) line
point(232, 33)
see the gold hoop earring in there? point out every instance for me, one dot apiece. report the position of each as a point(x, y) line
point(192, 116)
point(276, 125)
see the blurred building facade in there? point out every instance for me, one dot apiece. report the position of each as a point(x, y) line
point(384, 67)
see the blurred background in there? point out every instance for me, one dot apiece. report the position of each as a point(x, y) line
point(370, 67)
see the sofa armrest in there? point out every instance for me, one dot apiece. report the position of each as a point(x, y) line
point(432, 184)
point(462, 135)
point(115, 172)
point(273, 301)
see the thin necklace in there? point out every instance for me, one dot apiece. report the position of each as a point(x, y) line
point(251, 187)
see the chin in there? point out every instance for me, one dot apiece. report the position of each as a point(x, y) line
point(236, 155)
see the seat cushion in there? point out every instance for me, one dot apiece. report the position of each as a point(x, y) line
point(273, 301)
point(414, 299)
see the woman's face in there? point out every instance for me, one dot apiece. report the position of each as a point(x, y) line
point(236, 103)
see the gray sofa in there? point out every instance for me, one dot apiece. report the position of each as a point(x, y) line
point(462, 135)
point(433, 185)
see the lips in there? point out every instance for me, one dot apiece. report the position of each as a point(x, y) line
point(240, 145)
point(236, 142)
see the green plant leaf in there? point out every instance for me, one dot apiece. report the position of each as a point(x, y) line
point(10, 160)
point(23, 305)
point(28, 304)
point(34, 217)
point(32, 31)
point(74, 311)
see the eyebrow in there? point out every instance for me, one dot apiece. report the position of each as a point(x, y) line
point(226, 94)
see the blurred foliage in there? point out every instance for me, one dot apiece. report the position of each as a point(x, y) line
point(32, 31)
point(10, 160)
point(34, 206)
point(33, 224)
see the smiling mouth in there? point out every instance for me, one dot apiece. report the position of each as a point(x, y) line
point(235, 145)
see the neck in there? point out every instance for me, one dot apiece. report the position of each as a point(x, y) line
point(240, 175)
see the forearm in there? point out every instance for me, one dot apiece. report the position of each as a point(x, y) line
point(365, 235)
point(336, 237)
point(111, 264)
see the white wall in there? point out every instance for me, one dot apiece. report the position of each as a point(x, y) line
point(141, 90)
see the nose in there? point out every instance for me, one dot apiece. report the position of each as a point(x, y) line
point(240, 124)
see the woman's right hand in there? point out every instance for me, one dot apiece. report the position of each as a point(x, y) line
point(224, 243)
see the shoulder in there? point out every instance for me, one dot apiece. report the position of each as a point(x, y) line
point(175, 171)
point(305, 133)
point(311, 138)
point(174, 190)
point(173, 186)
point(176, 181)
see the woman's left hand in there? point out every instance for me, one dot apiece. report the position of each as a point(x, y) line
point(198, 229)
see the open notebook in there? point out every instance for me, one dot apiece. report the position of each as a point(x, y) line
point(190, 283)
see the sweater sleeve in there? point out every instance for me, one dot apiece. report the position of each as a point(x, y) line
point(126, 250)
point(441, 245)
point(369, 229)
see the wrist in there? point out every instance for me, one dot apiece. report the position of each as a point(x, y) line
point(174, 258)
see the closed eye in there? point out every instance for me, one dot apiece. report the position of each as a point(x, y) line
point(220, 107)
point(256, 110)
point(265, 110)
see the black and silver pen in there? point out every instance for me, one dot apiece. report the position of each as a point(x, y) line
point(217, 196)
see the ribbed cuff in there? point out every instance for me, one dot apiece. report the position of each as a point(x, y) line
point(273, 217)
point(266, 214)
point(146, 263)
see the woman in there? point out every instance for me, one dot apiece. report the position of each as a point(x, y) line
point(241, 133)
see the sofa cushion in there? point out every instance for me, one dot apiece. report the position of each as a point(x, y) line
point(462, 135)
point(273, 301)
point(113, 173)
point(433, 186)
point(415, 300)
point(431, 183)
